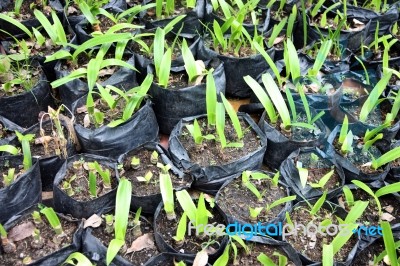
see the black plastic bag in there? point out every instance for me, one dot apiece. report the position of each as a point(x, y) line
point(82, 209)
point(350, 170)
point(279, 146)
point(71, 91)
point(9, 126)
point(190, 26)
point(24, 109)
point(149, 203)
point(394, 172)
point(114, 141)
point(23, 192)
point(171, 105)
point(55, 258)
point(236, 68)
point(205, 175)
point(163, 258)
point(290, 173)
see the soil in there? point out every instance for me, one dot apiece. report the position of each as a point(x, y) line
point(371, 214)
point(350, 24)
point(180, 9)
point(19, 170)
point(28, 247)
point(47, 49)
point(244, 51)
point(360, 158)
point(141, 188)
point(260, 15)
point(28, 74)
point(136, 257)
point(192, 243)
point(311, 245)
point(180, 80)
point(317, 169)
point(256, 249)
point(210, 152)
point(5, 133)
point(353, 90)
point(235, 200)
point(301, 134)
point(43, 147)
point(80, 184)
point(366, 256)
point(26, 11)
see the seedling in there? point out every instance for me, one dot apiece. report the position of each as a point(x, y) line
point(105, 174)
point(346, 138)
point(135, 163)
point(147, 177)
point(167, 191)
point(8, 245)
point(37, 219)
point(154, 157)
point(267, 261)
point(224, 258)
point(9, 177)
point(389, 189)
point(122, 205)
point(322, 182)
point(109, 218)
point(181, 230)
point(255, 212)
point(67, 187)
point(26, 150)
point(135, 224)
point(389, 255)
point(92, 184)
point(279, 202)
point(53, 220)
point(195, 131)
point(348, 195)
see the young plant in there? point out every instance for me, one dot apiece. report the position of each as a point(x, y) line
point(26, 150)
point(67, 187)
point(167, 191)
point(389, 189)
point(322, 182)
point(195, 131)
point(389, 255)
point(267, 261)
point(135, 163)
point(386, 158)
point(255, 212)
point(278, 202)
point(348, 196)
point(105, 174)
point(154, 157)
point(8, 245)
point(146, 178)
point(122, 206)
point(53, 220)
point(234, 240)
point(181, 230)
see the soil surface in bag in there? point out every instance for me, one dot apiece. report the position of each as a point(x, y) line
point(366, 256)
point(38, 247)
point(23, 107)
point(72, 193)
point(179, 99)
point(318, 165)
point(309, 246)
point(165, 230)
point(268, 246)
point(140, 128)
point(139, 239)
point(24, 191)
point(234, 199)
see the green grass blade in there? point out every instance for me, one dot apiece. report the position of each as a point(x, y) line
point(389, 243)
point(166, 67)
point(187, 204)
point(233, 116)
point(190, 62)
point(211, 98)
point(327, 255)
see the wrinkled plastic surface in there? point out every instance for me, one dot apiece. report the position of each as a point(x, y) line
point(162, 258)
point(112, 142)
point(171, 105)
point(204, 177)
point(82, 209)
point(290, 173)
point(9, 126)
point(23, 192)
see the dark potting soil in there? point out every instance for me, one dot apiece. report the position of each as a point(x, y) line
point(27, 8)
point(144, 252)
point(359, 158)
point(255, 249)
point(192, 243)
point(180, 80)
point(311, 245)
point(19, 170)
point(350, 25)
point(49, 144)
point(297, 133)
point(375, 118)
point(153, 187)
point(389, 205)
point(4, 132)
point(317, 169)
point(80, 184)
point(179, 10)
point(235, 199)
point(27, 246)
point(244, 51)
point(366, 256)
point(210, 152)
point(29, 76)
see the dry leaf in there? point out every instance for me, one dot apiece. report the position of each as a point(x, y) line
point(341, 202)
point(106, 72)
point(93, 221)
point(72, 10)
point(142, 242)
point(86, 121)
point(389, 208)
point(21, 231)
point(201, 259)
point(387, 217)
point(44, 139)
point(81, 109)
point(278, 39)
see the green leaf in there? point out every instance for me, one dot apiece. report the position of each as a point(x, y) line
point(276, 31)
point(317, 206)
point(233, 116)
point(293, 60)
point(158, 49)
point(78, 259)
point(113, 249)
point(190, 63)
point(388, 189)
point(386, 158)
point(92, 184)
point(166, 67)
point(356, 211)
point(281, 201)
point(122, 206)
point(348, 195)
point(201, 213)
point(303, 174)
point(321, 57)
point(187, 205)
point(9, 148)
point(270, 62)
point(167, 193)
point(79, 73)
point(211, 98)
point(53, 220)
point(250, 186)
point(181, 229)
point(327, 255)
point(220, 123)
point(265, 260)
point(16, 23)
point(389, 243)
point(344, 129)
point(224, 258)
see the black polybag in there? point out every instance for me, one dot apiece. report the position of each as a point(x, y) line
point(123, 78)
point(231, 219)
point(204, 177)
point(23, 192)
point(149, 203)
point(163, 246)
point(114, 141)
point(279, 146)
point(10, 126)
point(394, 172)
point(350, 170)
point(190, 26)
point(236, 68)
point(171, 105)
point(57, 257)
point(162, 258)
point(82, 209)
point(290, 173)
point(23, 109)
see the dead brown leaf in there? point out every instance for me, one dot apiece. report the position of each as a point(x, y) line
point(93, 221)
point(21, 231)
point(201, 259)
point(142, 242)
point(44, 139)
